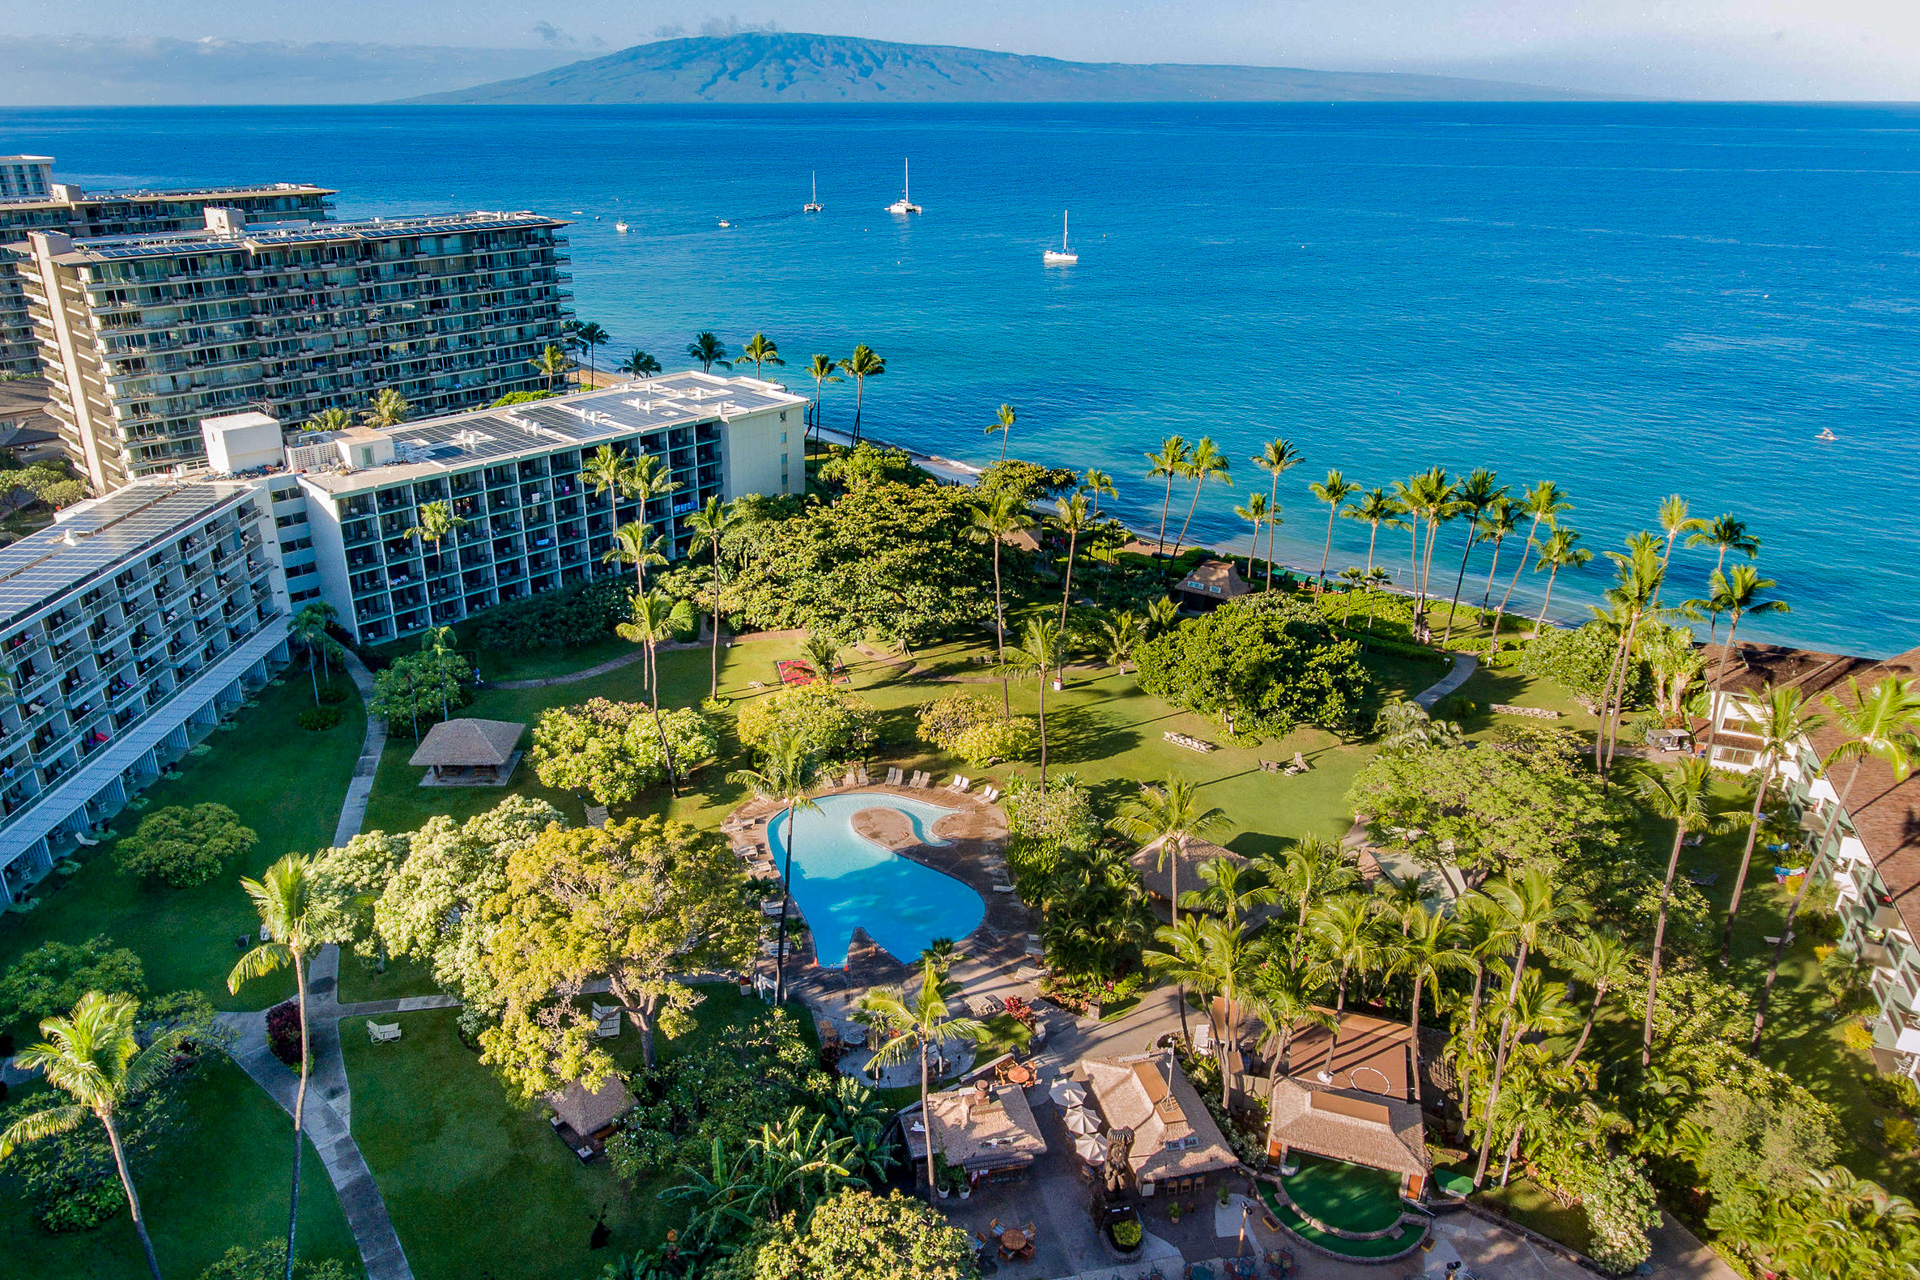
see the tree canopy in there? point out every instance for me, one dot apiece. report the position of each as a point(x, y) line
point(857, 1235)
point(829, 723)
point(1027, 482)
point(51, 978)
point(185, 845)
point(1264, 664)
point(612, 749)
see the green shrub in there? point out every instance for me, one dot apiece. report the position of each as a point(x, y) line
point(830, 723)
point(1013, 739)
point(612, 749)
point(333, 695)
point(182, 846)
point(412, 693)
point(321, 718)
point(1900, 1136)
point(1127, 1234)
point(51, 978)
point(556, 619)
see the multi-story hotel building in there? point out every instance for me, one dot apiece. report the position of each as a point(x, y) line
point(144, 336)
point(1872, 856)
point(127, 630)
point(31, 201)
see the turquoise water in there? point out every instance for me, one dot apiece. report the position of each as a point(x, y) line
point(1630, 299)
point(842, 880)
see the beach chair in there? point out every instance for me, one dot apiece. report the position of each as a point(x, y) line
point(865, 780)
point(382, 1033)
point(991, 795)
point(1300, 763)
point(893, 776)
point(606, 1019)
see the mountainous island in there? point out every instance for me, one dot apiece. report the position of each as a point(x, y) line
point(761, 67)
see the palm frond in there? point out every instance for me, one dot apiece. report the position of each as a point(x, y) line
point(41, 1124)
point(268, 957)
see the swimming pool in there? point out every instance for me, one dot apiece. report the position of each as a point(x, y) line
point(843, 881)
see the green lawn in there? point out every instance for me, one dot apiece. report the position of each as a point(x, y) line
point(1348, 1196)
point(284, 781)
point(224, 1183)
point(1381, 1247)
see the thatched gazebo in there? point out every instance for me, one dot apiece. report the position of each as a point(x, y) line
point(469, 753)
point(584, 1117)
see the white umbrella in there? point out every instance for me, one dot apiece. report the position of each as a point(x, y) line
point(1065, 1093)
point(1082, 1121)
point(1091, 1148)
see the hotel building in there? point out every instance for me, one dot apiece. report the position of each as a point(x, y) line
point(1871, 845)
point(143, 336)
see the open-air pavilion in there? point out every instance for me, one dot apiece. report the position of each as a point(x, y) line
point(988, 1130)
point(469, 753)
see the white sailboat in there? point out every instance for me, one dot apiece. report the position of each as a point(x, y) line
point(621, 227)
point(905, 203)
point(1063, 256)
point(813, 204)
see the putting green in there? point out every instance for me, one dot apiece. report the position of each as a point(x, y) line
point(1386, 1246)
point(1348, 1196)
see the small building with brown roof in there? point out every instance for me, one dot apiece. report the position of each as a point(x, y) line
point(986, 1129)
point(1212, 582)
point(1174, 1136)
point(469, 753)
point(1157, 873)
point(1355, 1106)
point(584, 1117)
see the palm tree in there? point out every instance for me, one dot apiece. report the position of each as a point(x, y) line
point(1484, 935)
point(649, 478)
point(1543, 502)
point(822, 370)
point(1675, 521)
point(551, 363)
point(1679, 795)
point(1231, 890)
point(1345, 930)
point(1334, 491)
point(1096, 484)
point(912, 1029)
point(1376, 508)
point(1313, 870)
point(439, 642)
point(1169, 463)
point(1603, 961)
point(588, 336)
point(1735, 594)
point(387, 409)
point(1004, 425)
point(786, 773)
point(1784, 721)
point(1276, 457)
point(1070, 516)
point(1633, 597)
point(1499, 523)
point(762, 351)
point(1429, 949)
point(330, 420)
point(1479, 494)
point(1561, 550)
point(1162, 616)
point(93, 1055)
point(636, 543)
point(1174, 815)
point(1530, 908)
point(1879, 723)
point(711, 525)
point(436, 521)
point(608, 469)
point(709, 351)
point(1116, 637)
point(1213, 958)
point(309, 627)
point(287, 902)
point(1728, 534)
point(653, 618)
point(862, 364)
point(823, 654)
point(1042, 649)
point(1003, 516)
point(1205, 463)
point(640, 364)
point(1256, 512)
point(1284, 995)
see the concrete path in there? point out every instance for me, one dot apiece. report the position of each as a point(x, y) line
point(1464, 665)
point(360, 789)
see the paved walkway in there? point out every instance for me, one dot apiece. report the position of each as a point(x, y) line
point(1464, 665)
point(628, 659)
point(354, 811)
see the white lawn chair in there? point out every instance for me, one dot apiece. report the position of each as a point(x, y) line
point(382, 1033)
point(990, 795)
point(1203, 1038)
point(606, 1019)
point(893, 776)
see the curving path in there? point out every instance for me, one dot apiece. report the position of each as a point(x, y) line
point(1464, 665)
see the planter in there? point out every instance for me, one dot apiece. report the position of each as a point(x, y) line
point(944, 1192)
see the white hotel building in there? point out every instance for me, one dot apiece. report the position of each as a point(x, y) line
point(139, 620)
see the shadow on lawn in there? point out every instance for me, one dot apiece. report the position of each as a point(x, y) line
point(1076, 734)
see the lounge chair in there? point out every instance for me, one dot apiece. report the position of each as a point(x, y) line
point(771, 906)
point(606, 1019)
point(991, 795)
point(893, 776)
point(382, 1033)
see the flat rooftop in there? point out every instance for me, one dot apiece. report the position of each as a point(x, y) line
point(98, 538)
point(254, 239)
point(236, 190)
point(486, 437)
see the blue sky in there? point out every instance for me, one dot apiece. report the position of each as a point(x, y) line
point(1689, 48)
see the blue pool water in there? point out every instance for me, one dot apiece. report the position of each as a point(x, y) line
point(843, 881)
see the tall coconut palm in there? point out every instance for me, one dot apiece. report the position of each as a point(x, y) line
point(587, 337)
point(330, 420)
point(1725, 533)
point(1231, 889)
point(1334, 491)
point(1285, 995)
point(1878, 724)
point(1205, 463)
point(1003, 425)
point(1347, 934)
point(1736, 594)
point(93, 1056)
point(1116, 637)
point(1376, 509)
point(636, 543)
point(763, 351)
point(1674, 521)
point(1430, 948)
point(912, 1029)
point(1500, 522)
point(435, 521)
point(551, 363)
point(1097, 484)
point(1174, 815)
point(1544, 503)
point(1603, 961)
point(1633, 597)
point(1276, 458)
point(1255, 512)
point(1002, 516)
point(608, 470)
point(1560, 550)
point(439, 642)
point(287, 901)
point(709, 351)
point(1530, 908)
point(1217, 960)
point(711, 525)
point(1042, 650)
point(648, 478)
point(1784, 721)
point(387, 409)
point(861, 365)
point(785, 775)
point(309, 627)
point(1071, 518)
point(822, 369)
point(652, 618)
point(1311, 871)
point(1169, 464)
point(1479, 494)
point(1441, 497)
point(640, 364)
point(1679, 795)
point(1484, 937)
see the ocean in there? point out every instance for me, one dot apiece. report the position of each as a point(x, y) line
point(1631, 300)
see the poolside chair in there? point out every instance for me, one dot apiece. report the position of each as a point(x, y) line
point(606, 1018)
point(893, 776)
point(991, 795)
point(382, 1033)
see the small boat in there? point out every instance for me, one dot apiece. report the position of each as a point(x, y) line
point(1826, 433)
point(621, 227)
point(905, 203)
point(813, 205)
point(725, 223)
point(1063, 256)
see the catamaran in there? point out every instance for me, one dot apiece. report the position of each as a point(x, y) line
point(813, 204)
point(905, 203)
point(1063, 256)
